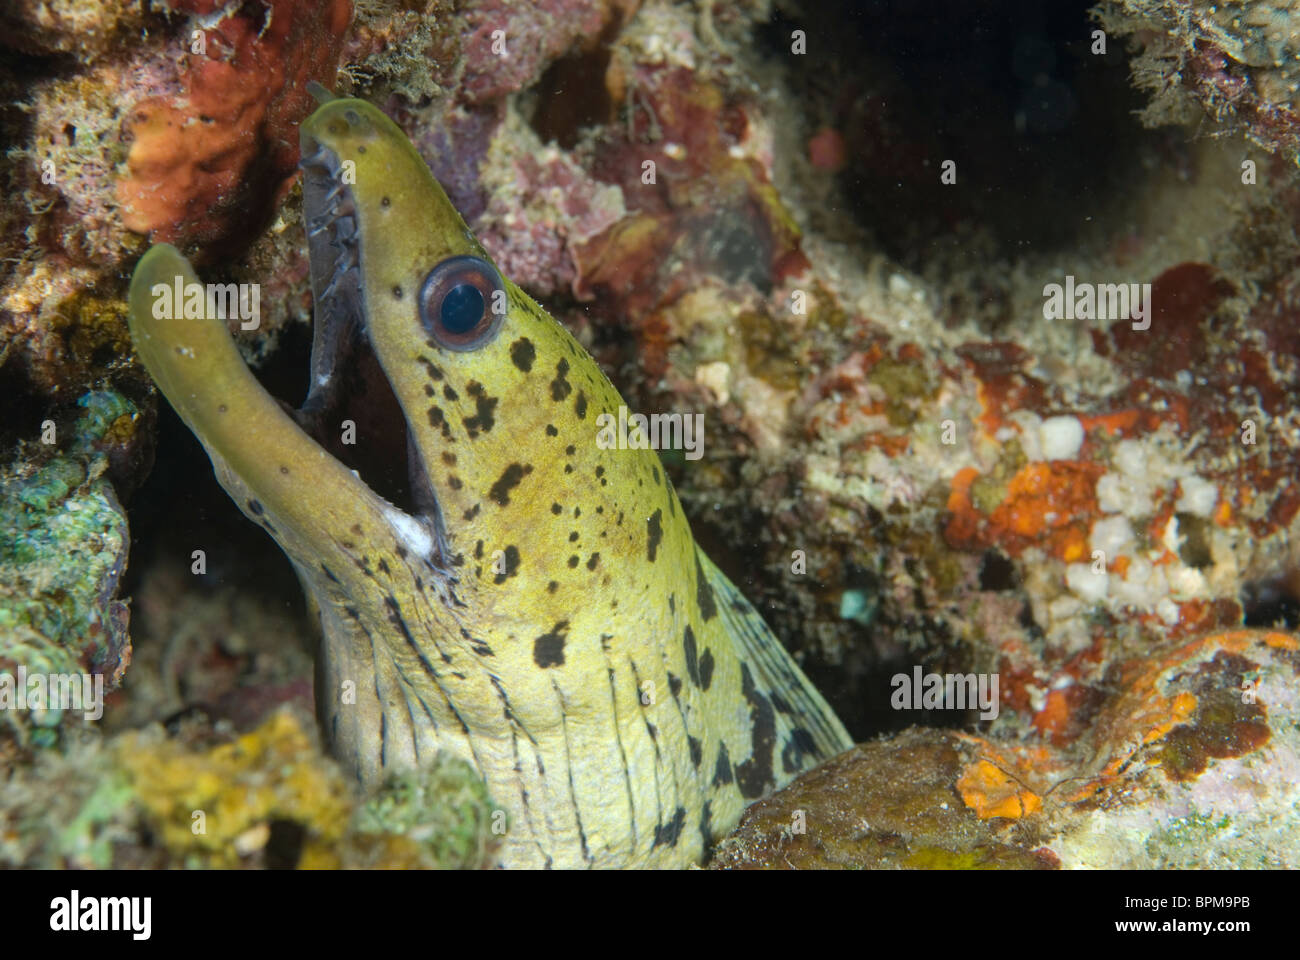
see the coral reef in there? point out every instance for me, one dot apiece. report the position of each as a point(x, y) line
point(506, 46)
point(994, 491)
point(225, 147)
point(1186, 764)
point(1233, 63)
point(65, 540)
point(219, 651)
point(887, 804)
point(547, 209)
point(205, 798)
point(69, 808)
point(87, 30)
point(907, 460)
point(213, 807)
point(439, 817)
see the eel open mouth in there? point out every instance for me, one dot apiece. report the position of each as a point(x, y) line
point(348, 384)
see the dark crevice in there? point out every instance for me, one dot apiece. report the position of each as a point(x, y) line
point(1009, 90)
point(188, 510)
point(1272, 601)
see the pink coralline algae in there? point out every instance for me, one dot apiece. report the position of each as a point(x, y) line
point(700, 199)
point(534, 230)
point(508, 45)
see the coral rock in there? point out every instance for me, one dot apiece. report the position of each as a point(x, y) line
point(225, 146)
point(1190, 761)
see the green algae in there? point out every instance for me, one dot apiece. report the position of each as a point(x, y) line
point(990, 857)
point(88, 836)
point(986, 493)
point(1196, 831)
point(859, 606)
point(63, 543)
point(904, 383)
point(69, 808)
point(768, 350)
point(443, 809)
point(989, 490)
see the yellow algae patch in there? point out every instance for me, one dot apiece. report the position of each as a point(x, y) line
point(209, 806)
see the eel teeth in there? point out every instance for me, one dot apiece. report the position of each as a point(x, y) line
point(322, 160)
point(345, 268)
point(345, 227)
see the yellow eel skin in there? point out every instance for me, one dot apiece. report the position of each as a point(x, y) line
point(545, 614)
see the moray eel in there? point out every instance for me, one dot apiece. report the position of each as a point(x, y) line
point(491, 582)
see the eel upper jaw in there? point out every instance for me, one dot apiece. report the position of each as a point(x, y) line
point(334, 249)
point(340, 335)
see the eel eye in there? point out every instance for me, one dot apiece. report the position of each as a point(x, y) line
point(462, 303)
